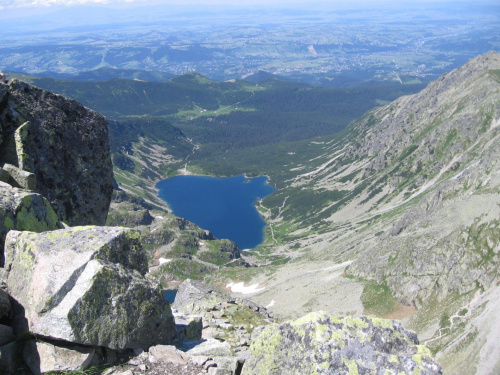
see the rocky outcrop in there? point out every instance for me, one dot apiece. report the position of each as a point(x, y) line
point(42, 357)
point(320, 343)
point(23, 210)
point(88, 285)
point(18, 178)
point(63, 144)
point(228, 323)
point(196, 297)
point(174, 244)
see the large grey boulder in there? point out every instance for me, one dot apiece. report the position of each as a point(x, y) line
point(23, 210)
point(64, 145)
point(88, 285)
point(320, 343)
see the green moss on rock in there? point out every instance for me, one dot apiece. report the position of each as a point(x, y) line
point(122, 310)
point(23, 210)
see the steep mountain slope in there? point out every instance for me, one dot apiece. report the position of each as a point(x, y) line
point(396, 154)
point(406, 202)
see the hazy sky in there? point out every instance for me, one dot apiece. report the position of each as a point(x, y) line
point(5, 4)
point(12, 10)
point(48, 3)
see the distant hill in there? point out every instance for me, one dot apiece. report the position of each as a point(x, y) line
point(106, 73)
point(230, 114)
point(261, 75)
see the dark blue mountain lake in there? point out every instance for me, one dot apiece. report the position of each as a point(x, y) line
point(223, 205)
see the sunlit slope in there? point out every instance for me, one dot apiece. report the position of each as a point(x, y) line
point(406, 201)
point(395, 155)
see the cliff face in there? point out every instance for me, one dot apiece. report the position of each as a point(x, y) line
point(64, 145)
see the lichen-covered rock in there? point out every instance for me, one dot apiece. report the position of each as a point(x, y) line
point(19, 178)
point(227, 321)
point(87, 285)
point(67, 250)
point(42, 357)
point(65, 146)
point(195, 297)
point(23, 210)
point(320, 343)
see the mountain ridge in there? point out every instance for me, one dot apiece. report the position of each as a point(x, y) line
point(403, 202)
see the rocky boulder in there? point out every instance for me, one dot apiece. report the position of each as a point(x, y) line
point(196, 297)
point(18, 178)
point(23, 210)
point(64, 145)
point(42, 357)
point(88, 285)
point(228, 323)
point(320, 343)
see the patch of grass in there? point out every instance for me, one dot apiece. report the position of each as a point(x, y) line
point(94, 370)
point(445, 320)
point(248, 317)
point(377, 299)
point(182, 269)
